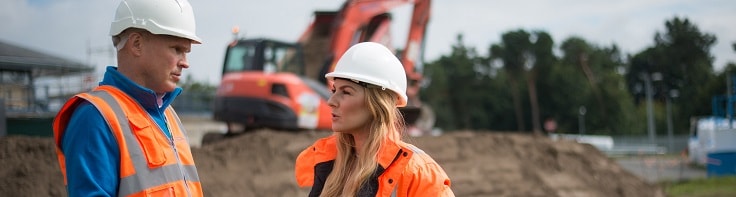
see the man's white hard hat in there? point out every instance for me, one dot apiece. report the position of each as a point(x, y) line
point(169, 17)
point(375, 64)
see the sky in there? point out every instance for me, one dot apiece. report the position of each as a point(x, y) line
point(78, 29)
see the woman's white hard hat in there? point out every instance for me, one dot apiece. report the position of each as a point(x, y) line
point(375, 64)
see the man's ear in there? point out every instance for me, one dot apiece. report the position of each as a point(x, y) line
point(136, 43)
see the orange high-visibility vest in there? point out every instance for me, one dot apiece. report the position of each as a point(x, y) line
point(151, 164)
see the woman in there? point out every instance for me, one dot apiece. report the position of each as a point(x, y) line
point(366, 156)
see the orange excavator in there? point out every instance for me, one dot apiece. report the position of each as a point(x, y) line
point(281, 85)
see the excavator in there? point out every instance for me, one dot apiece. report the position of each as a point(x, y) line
point(268, 83)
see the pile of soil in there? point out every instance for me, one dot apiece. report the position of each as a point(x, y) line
point(261, 163)
point(29, 167)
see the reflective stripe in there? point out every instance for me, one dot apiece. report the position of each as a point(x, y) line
point(393, 193)
point(178, 121)
point(150, 178)
point(144, 176)
point(415, 149)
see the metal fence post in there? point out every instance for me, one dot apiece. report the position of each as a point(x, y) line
point(3, 127)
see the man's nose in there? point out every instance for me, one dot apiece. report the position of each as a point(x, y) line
point(183, 62)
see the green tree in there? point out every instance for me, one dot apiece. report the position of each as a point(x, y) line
point(596, 75)
point(454, 93)
point(681, 56)
point(586, 75)
point(514, 51)
point(542, 59)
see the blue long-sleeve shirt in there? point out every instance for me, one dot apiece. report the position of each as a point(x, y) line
point(91, 151)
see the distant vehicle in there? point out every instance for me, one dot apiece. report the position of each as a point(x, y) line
point(710, 135)
point(712, 141)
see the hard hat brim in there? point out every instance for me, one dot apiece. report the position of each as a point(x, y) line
point(402, 100)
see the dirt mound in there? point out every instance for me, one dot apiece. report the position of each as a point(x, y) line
point(261, 163)
point(511, 164)
point(253, 164)
point(29, 167)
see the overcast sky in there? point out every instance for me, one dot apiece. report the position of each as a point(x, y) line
point(72, 28)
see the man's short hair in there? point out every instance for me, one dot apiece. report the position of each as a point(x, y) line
point(123, 36)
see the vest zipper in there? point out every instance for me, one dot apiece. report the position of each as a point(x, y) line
point(178, 160)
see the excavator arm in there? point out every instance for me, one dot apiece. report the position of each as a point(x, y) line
point(413, 53)
point(363, 20)
point(369, 20)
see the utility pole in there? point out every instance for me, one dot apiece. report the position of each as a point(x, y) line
point(581, 120)
point(650, 108)
point(671, 95)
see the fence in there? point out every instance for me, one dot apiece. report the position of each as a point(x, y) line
point(660, 144)
point(631, 145)
point(194, 102)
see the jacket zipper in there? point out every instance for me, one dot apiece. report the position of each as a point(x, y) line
point(176, 152)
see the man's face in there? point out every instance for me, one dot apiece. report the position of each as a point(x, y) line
point(164, 58)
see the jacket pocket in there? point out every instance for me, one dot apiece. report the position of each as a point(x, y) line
point(151, 140)
point(162, 191)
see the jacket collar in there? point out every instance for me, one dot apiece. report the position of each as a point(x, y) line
point(388, 152)
point(145, 97)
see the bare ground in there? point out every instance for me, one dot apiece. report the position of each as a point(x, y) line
point(261, 163)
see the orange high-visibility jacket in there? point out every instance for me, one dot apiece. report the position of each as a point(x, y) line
point(404, 170)
point(150, 163)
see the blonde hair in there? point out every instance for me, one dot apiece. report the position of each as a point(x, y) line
point(352, 171)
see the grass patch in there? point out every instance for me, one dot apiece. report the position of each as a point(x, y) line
point(710, 187)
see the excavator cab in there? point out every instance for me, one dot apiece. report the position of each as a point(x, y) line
point(263, 55)
point(263, 85)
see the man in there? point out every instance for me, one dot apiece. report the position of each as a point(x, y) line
point(123, 138)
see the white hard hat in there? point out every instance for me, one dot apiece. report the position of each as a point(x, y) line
point(170, 17)
point(373, 63)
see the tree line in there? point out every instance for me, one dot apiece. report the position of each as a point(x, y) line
point(523, 83)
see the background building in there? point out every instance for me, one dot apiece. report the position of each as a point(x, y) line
point(34, 84)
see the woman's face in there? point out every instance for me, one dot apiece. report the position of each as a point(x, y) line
point(350, 114)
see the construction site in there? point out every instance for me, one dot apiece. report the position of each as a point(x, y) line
point(246, 131)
